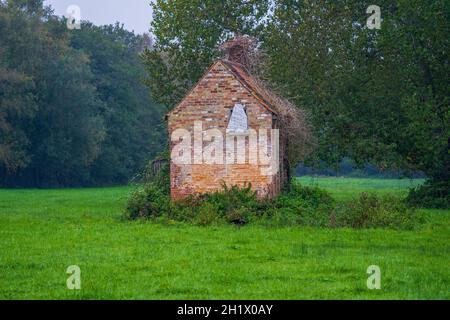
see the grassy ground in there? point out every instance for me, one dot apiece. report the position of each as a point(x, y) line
point(42, 232)
point(344, 188)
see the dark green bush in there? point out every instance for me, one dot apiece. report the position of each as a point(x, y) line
point(372, 211)
point(432, 194)
point(231, 204)
point(207, 213)
point(235, 204)
point(311, 196)
point(299, 206)
point(148, 202)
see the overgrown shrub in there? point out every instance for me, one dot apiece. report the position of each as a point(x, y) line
point(231, 204)
point(432, 194)
point(148, 202)
point(373, 211)
point(306, 206)
point(207, 214)
point(235, 204)
point(312, 196)
point(301, 205)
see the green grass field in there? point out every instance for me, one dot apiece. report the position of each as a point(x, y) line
point(42, 232)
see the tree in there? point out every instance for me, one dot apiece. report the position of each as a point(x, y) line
point(16, 109)
point(60, 128)
point(187, 34)
point(134, 124)
point(377, 96)
point(17, 100)
point(73, 108)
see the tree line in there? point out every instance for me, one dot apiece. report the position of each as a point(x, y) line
point(73, 107)
point(374, 95)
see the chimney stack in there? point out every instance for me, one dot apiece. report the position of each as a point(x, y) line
point(239, 50)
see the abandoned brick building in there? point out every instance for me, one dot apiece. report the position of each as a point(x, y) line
point(229, 100)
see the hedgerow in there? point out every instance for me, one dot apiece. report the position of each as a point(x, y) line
point(301, 205)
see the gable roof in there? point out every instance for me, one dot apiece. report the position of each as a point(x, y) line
point(250, 83)
point(261, 93)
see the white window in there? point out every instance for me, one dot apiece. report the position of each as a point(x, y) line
point(238, 119)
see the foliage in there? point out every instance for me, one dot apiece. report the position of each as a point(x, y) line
point(372, 211)
point(73, 110)
point(148, 202)
point(347, 167)
point(378, 96)
point(233, 205)
point(51, 124)
point(159, 176)
point(374, 95)
point(431, 195)
point(301, 205)
point(184, 50)
point(313, 196)
point(134, 125)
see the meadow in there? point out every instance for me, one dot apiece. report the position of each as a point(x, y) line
point(42, 232)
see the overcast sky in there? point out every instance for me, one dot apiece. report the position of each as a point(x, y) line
point(134, 14)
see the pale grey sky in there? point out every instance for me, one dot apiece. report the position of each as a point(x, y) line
point(134, 14)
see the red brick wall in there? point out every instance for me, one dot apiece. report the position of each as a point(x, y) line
point(211, 102)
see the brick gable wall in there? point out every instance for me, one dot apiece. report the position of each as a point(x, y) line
point(211, 102)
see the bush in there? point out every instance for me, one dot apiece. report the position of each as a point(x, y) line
point(311, 196)
point(148, 202)
point(231, 204)
point(235, 204)
point(161, 177)
point(207, 214)
point(372, 211)
point(308, 206)
point(432, 194)
point(305, 206)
